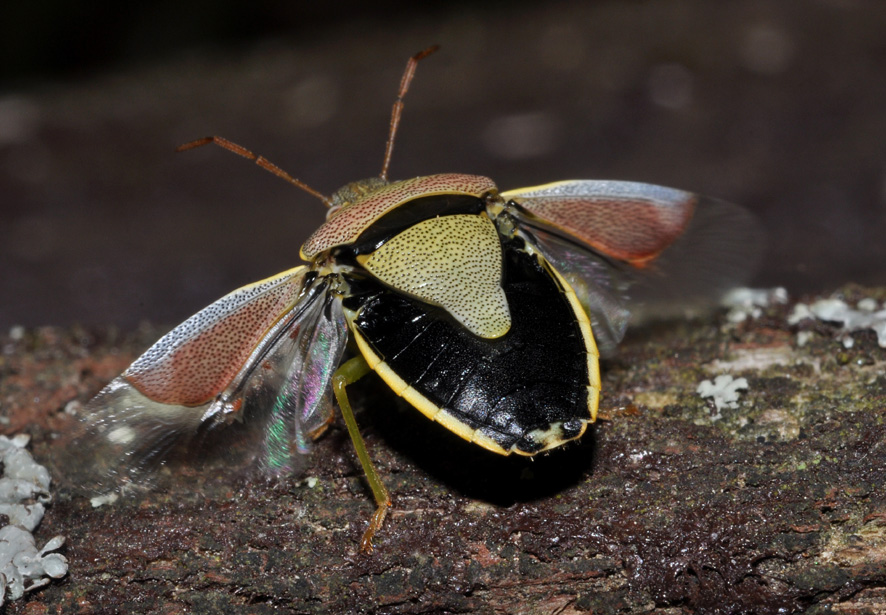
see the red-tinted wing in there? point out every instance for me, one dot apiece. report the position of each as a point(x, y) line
point(267, 350)
point(628, 221)
point(679, 250)
point(196, 361)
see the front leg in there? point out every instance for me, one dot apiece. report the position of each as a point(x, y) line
point(350, 372)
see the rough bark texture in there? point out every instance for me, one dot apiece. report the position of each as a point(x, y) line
point(777, 507)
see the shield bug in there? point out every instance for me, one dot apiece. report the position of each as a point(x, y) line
point(481, 308)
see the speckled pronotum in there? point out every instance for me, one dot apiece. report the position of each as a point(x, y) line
point(474, 305)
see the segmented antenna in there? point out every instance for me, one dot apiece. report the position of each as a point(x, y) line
point(261, 161)
point(267, 165)
point(405, 81)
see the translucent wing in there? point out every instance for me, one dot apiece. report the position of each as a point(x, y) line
point(600, 287)
point(250, 352)
point(295, 382)
point(663, 246)
point(720, 249)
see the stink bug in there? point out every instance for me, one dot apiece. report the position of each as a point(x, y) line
point(474, 305)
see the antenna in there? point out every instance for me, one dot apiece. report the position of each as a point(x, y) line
point(408, 74)
point(261, 161)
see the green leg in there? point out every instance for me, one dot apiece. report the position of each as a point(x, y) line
point(350, 372)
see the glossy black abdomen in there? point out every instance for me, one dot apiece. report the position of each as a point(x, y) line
point(528, 380)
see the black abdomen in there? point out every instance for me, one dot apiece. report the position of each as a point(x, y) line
point(534, 376)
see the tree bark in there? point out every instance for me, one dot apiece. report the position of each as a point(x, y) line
point(775, 507)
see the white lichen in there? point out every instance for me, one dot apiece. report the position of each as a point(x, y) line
point(24, 491)
point(724, 391)
point(104, 500)
point(864, 316)
point(744, 303)
point(803, 337)
point(22, 567)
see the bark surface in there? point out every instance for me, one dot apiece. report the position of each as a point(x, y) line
point(776, 506)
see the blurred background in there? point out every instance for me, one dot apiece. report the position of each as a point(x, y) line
point(778, 106)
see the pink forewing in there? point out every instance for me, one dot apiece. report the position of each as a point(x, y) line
point(627, 221)
point(194, 362)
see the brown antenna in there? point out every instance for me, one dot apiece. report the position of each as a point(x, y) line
point(408, 74)
point(261, 161)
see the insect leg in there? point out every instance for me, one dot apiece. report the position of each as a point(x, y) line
point(350, 372)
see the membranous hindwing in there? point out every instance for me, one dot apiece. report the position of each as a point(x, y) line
point(600, 285)
point(470, 324)
point(295, 383)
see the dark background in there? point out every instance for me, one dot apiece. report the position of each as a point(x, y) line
point(779, 106)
